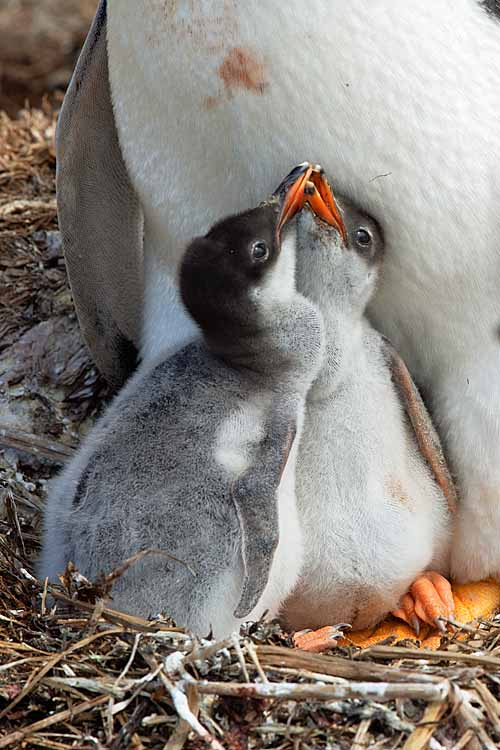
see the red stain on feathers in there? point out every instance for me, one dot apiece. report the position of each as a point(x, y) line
point(241, 69)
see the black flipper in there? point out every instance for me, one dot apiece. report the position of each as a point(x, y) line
point(99, 214)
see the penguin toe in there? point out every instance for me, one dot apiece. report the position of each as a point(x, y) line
point(407, 613)
point(317, 641)
point(429, 600)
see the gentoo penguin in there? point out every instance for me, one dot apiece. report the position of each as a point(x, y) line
point(189, 457)
point(175, 105)
point(373, 491)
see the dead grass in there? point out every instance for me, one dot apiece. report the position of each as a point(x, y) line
point(76, 674)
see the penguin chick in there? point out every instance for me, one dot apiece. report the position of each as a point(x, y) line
point(372, 485)
point(189, 457)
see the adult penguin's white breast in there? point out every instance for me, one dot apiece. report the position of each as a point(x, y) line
point(214, 101)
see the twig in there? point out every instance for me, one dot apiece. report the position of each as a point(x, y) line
point(241, 658)
point(181, 705)
point(337, 667)
point(464, 740)
point(255, 659)
point(469, 719)
point(36, 677)
point(361, 740)
point(460, 625)
point(420, 738)
point(44, 597)
point(299, 692)
point(204, 653)
point(490, 703)
point(129, 663)
point(35, 445)
point(95, 617)
point(306, 675)
point(12, 513)
point(16, 737)
point(181, 734)
point(118, 572)
point(84, 683)
point(390, 652)
point(118, 618)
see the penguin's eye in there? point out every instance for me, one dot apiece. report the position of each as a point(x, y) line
point(363, 237)
point(260, 251)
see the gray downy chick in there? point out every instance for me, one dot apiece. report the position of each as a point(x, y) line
point(196, 456)
point(373, 490)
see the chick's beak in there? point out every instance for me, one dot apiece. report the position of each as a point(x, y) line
point(319, 195)
point(290, 193)
point(308, 184)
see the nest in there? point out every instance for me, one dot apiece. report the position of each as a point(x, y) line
point(74, 673)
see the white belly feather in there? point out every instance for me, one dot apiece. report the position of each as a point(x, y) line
point(373, 517)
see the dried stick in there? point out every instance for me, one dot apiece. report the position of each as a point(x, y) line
point(362, 740)
point(34, 445)
point(468, 720)
point(181, 705)
point(419, 739)
point(491, 705)
point(36, 677)
point(277, 656)
point(397, 652)
point(355, 690)
point(16, 737)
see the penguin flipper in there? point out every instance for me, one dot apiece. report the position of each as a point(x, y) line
point(99, 214)
point(255, 496)
point(425, 433)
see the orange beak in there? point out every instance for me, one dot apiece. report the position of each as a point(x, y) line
point(322, 201)
point(291, 193)
point(308, 184)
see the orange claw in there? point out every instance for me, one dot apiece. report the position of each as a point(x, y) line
point(429, 599)
point(407, 613)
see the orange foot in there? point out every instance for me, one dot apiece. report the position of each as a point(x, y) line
point(429, 599)
point(473, 602)
point(317, 641)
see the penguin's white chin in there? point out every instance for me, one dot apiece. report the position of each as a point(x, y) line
point(278, 287)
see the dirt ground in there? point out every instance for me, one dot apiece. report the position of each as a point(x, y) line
point(39, 42)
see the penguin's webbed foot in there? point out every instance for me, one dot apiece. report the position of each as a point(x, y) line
point(429, 599)
point(317, 641)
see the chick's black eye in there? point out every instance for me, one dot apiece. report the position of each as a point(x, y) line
point(260, 251)
point(363, 237)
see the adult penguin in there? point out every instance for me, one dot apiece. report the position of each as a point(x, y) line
point(180, 112)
